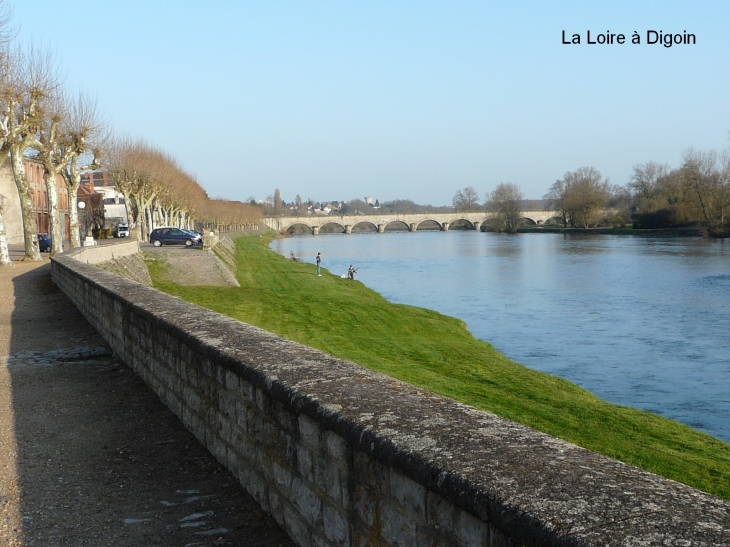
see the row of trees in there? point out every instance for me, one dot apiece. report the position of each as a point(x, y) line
point(39, 119)
point(698, 191)
point(159, 192)
point(657, 196)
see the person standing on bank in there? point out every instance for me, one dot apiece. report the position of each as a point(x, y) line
point(319, 264)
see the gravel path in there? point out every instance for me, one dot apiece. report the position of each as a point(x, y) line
point(88, 454)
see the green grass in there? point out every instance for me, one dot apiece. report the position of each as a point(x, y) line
point(436, 352)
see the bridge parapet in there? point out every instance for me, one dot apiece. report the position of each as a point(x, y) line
point(412, 221)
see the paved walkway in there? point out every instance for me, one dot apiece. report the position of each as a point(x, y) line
point(88, 454)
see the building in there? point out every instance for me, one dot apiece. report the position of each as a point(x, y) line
point(115, 209)
point(13, 218)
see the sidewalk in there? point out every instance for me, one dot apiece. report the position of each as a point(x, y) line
point(88, 455)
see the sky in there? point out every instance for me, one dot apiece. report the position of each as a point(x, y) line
point(394, 99)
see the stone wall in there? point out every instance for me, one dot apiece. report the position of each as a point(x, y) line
point(343, 456)
point(103, 253)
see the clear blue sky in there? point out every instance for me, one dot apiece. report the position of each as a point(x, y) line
point(337, 100)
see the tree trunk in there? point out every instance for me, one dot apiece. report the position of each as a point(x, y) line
point(73, 214)
point(30, 226)
point(56, 232)
point(4, 253)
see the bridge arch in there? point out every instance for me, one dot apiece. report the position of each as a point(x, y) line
point(331, 227)
point(364, 226)
point(429, 224)
point(528, 221)
point(461, 224)
point(298, 228)
point(554, 221)
point(396, 226)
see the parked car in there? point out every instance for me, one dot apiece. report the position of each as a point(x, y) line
point(121, 230)
point(44, 242)
point(175, 236)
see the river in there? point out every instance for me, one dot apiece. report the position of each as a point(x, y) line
point(639, 321)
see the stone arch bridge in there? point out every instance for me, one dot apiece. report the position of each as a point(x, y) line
point(411, 222)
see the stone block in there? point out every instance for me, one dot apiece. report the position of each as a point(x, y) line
point(327, 477)
point(298, 529)
point(243, 415)
point(227, 404)
point(337, 448)
point(265, 465)
point(408, 494)
point(336, 526)
point(305, 463)
point(231, 380)
point(365, 502)
point(306, 501)
point(470, 531)
point(309, 432)
point(263, 401)
point(441, 513)
point(256, 486)
point(284, 416)
point(368, 470)
point(246, 391)
point(276, 506)
point(397, 528)
point(224, 427)
point(233, 461)
point(282, 476)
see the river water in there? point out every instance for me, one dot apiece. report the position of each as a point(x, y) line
point(639, 321)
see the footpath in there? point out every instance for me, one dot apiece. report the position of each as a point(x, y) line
point(89, 456)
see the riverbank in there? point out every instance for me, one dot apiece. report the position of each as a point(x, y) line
point(664, 232)
point(436, 352)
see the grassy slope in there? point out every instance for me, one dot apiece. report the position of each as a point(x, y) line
point(425, 348)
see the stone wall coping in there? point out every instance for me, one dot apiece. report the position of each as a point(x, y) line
point(103, 253)
point(537, 489)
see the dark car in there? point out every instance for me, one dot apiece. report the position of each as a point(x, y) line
point(175, 236)
point(44, 242)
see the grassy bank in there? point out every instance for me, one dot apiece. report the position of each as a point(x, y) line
point(425, 348)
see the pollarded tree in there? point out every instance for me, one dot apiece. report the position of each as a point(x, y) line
point(85, 135)
point(29, 76)
point(505, 204)
point(466, 200)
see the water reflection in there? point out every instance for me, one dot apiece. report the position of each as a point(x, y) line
point(640, 321)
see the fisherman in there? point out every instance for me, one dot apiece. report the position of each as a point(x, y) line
point(351, 272)
point(319, 264)
point(294, 258)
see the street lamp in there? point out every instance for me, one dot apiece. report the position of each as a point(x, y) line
point(82, 223)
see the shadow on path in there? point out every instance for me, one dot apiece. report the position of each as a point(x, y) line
point(92, 457)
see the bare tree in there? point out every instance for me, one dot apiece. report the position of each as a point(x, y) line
point(646, 183)
point(29, 77)
point(558, 199)
point(505, 203)
point(710, 185)
point(587, 194)
point(466, 200)
point(85, 134)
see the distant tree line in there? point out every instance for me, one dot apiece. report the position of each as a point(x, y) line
point(697, 193)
